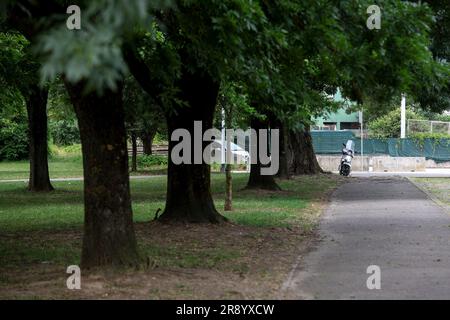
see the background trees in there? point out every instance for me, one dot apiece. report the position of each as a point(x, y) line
point(14, 126)
point(143, 118)
point(19, 73)
point(89, 61)
point(201, 43)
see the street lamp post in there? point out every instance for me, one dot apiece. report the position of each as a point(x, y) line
point(362, 138)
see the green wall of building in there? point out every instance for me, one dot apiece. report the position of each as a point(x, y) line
point(338, 117)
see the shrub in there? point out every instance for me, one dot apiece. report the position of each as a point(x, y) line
point(151, 160)
point(64, 132)
point(429, 135)
point(388, 126)
point(13, 139)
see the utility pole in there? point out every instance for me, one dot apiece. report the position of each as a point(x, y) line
point(361, 114)
point(403, 118)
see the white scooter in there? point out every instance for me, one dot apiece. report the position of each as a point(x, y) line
point(346, 160)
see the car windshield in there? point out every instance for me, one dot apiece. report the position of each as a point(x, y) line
point(234, 146)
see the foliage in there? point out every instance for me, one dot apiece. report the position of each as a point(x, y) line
point(233, 97)
point(142, 114)
point(59, 106)
point(442, 117)
point(13, 121)
point(93, 53)
point(287, 54)
point(18, 65)
point(64, 132)
point(429, 135)
point(151, 160)
point(388, 126)
point(13, 139)
point(160, 138)
point(280, 58)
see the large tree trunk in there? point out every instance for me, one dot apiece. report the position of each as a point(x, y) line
point(37, 122)
point(188, 196)
point(109, 237)
point(228, 206)
point(133, 152)
point(256, 180)
point(301, 153)
point(147, 137)
point(283, 171)
point(188, 186)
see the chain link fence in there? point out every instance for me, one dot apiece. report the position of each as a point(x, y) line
point(427, 126)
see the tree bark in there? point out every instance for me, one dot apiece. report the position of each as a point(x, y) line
point(147, 137)
point(283, 171)
point(228, 206)
point(189, 196)
point(133, 152)
point(256, 180)
point(108, 237)
point(301, 153)
point(36, 102)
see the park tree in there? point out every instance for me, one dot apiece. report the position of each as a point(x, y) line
point(367, 64)
point(201, 43)
point(392, 60)
point(19, 71)
point(89, 61)
point(305, 72)
point(435, 97)
point(233, 112)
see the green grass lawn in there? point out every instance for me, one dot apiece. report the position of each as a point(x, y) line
point(41, 228)
point(21, 210)
point(58, 168)
point(61, 167)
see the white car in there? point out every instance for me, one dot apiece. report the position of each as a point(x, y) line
point(240, 155)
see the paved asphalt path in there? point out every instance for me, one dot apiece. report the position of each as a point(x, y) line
point(383, 221)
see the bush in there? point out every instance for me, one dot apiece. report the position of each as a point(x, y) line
point(65, 132)
point(13, 139)
point(428, 135)
point(388, 126)
point(442, 117)
point(151, 160)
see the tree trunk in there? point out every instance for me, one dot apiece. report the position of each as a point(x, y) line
point(228, 206)
point(229, 188)
point(109, 237)
point(188, 185)
point(301, 153)
point(256, 180)
point(147, 137)
point(36, 103)
point(283, 171)
point(188, 196)
point(133, 152)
